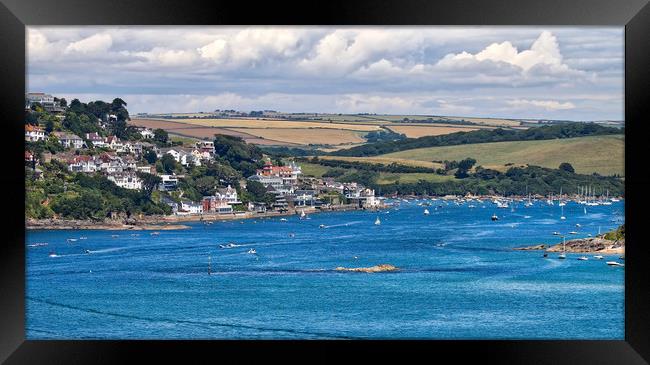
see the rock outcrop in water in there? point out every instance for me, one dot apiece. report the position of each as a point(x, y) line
point(377, 268)
point(583, 245)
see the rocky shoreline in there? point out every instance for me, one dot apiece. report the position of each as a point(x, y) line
point(591, 245)
point(372, 269)
point(171, 222)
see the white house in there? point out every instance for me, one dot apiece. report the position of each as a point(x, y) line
point(114, 143)
point(190, 207)
point(82, 164)
point(228, 194)
point(126, 180)
point(146, 133)
point(169, 182)
point(96, 139)
point(34, 134)
point(69, 140)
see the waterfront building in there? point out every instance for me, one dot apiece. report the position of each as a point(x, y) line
point(214, 204)
point(229, 194)
point(283, 179)
point(190, 207)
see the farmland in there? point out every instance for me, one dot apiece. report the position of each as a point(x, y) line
point(601, 154)
point(305, 136)
point(385, 161)
point(412, 131)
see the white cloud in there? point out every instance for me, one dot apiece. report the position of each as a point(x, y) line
point(97, 43)
point(335, 69)
point(544, 104)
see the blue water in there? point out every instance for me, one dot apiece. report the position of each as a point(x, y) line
point(459, 278)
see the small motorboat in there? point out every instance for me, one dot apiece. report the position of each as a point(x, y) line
point(37, 244)
point(377, 221)
point(87, 251)
point(292, 235)
point(614, 263)
point(583, 258)
point(556, 233)
point(545, 255)
point(573, 232)
point(562, 256)
point(426, 212)
point(321, 226)
point(155, 233)
point(283, 219)
point(494, 217)
point(228, 245)
point(116, 235)
point(252, 251)
point(53, 254)
point(598, 257)
point(71, 240)
point(578, 225)
point(83, 238)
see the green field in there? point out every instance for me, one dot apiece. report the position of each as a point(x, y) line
point(311, 169)
point(601, 154)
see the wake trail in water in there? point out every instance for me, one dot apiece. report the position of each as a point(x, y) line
point(203, 324)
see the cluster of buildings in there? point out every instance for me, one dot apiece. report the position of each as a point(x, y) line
point(120, 161)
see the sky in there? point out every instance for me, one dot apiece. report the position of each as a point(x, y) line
point(507, 72)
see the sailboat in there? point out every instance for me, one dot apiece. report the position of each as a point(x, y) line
point(560, 201)
point(377, 221)
point(584, 209)
point(302, 214)
point(426, 212)
point(606, 201)
point(563, 254)
point(562, 217)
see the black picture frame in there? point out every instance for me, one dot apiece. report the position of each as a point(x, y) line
point(633, 14)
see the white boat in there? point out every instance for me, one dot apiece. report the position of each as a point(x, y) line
point(155, 233)
point(228, 245)
point(584, 209)
point(426, 212)
point(494, 217)
point(302, 214)
point(578, 225)
point(556, 233)
point(614, 263)
point(583, 258)
point(562, 217)
point(377, 221)
point(83, 238)
point(252, 251)
point(283, 219)
point(321, 226)
point(573, 232)
point(52, 254)
point(71, 239)
point(598, 257)
point(615, 200)
point(562, 256)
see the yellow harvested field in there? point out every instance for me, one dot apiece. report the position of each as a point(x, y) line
point(385, 161)
point(276, 124)
point(305, 136)
point(421, 131)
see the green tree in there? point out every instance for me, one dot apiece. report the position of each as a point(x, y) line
point(149, 183)
point(168, 163)
point(150, 156)
point(160, 135)
point(565, 166)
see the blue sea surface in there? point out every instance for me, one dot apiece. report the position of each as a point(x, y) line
point(459, 278)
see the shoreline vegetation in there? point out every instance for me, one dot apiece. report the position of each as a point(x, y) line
point(609, 243)
point(171, 222)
